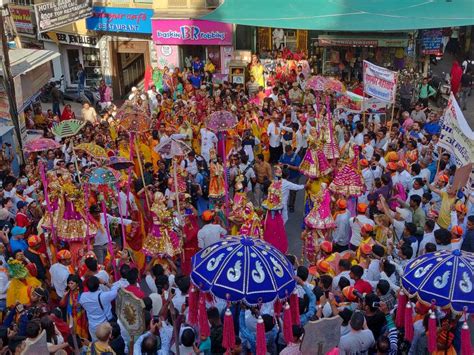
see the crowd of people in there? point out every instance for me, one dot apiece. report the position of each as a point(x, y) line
point(376, 194)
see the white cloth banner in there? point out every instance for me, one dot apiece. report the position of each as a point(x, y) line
point(456, 135)
point(380, 82)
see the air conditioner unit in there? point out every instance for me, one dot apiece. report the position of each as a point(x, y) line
point(212, 4)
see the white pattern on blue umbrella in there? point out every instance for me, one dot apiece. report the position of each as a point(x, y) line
point(445, 277)
point(243, 269)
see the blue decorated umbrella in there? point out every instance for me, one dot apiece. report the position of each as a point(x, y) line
point(445, 277)
point(102, 176)
point(243, 269)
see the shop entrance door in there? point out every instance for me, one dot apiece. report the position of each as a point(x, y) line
point(190, 52)
point(73, 59)
point(132, 69)
point(130, 58)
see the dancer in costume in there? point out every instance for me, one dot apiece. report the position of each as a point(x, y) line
point(161, 239)
point(252, 225)
point(274, 226)
point(348, 180)
point(216, 179)
point(320, 217)
point(237, 212)
point(314, 164)
point(330, 148)
point(70, 220)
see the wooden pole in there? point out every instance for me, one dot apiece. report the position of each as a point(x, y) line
point(393, 113)
point(175, 176)
point(363, 109)
point(141, 170)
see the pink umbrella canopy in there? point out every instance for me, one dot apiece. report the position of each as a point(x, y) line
point(172, 147)
point(40, 145)
point(220, 121)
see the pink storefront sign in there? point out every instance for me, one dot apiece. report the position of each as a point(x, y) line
point(191, 32)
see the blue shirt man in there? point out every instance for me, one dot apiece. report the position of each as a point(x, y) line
point(195, 80)
point(17, 242)
point(291, 161)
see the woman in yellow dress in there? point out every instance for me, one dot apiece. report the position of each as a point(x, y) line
point(22, 282)
point(257, 70)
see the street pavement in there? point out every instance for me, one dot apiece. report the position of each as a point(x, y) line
point(444, 66)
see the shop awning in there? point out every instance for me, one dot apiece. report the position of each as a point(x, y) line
point(346, 15)
point(24, 60)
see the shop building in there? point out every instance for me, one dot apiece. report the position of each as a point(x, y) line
point(178, 41)
point(343, 54)
point(76, 49)
point(124, 46)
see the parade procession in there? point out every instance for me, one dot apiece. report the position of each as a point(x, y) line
point(237, 177)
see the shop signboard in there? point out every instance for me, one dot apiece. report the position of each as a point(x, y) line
point(72, 39)
point(341, 41)
point(380, 82)
point(117, 19)
point(22, 18)
point(191, 32)
point(51, 15)
point(432, 42)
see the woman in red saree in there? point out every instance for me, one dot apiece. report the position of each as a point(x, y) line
point(456, 74)
point(67, 114)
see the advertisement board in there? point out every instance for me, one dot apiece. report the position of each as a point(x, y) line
point(191, 32)
point(117, 19)
point(54, 14)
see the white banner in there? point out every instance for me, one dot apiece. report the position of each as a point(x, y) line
point(380, 82)
point(456, 135)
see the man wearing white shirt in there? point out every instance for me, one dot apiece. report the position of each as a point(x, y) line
point(356, 224)
point(60, 272)
point(211, 232)
point(286, 187)
point(208, 141)
point(274, 135)
point(101, 239)
point(97, 304)
point(359, 137)
point(127, 205)
point(402, 176)
point(345, 270)
point(301, 141)
point(428, 236)
point(190, 164)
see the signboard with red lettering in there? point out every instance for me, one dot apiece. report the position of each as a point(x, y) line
point(58, 13)
point(380, 82)
point(22, 18)
point(116, 19)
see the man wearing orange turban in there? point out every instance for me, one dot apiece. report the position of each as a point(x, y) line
point(342, 234)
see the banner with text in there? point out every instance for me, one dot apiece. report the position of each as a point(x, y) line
point(456, 135)
point(192, 32)
point(51, 15)
point(380, 82)
point(116, 19)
